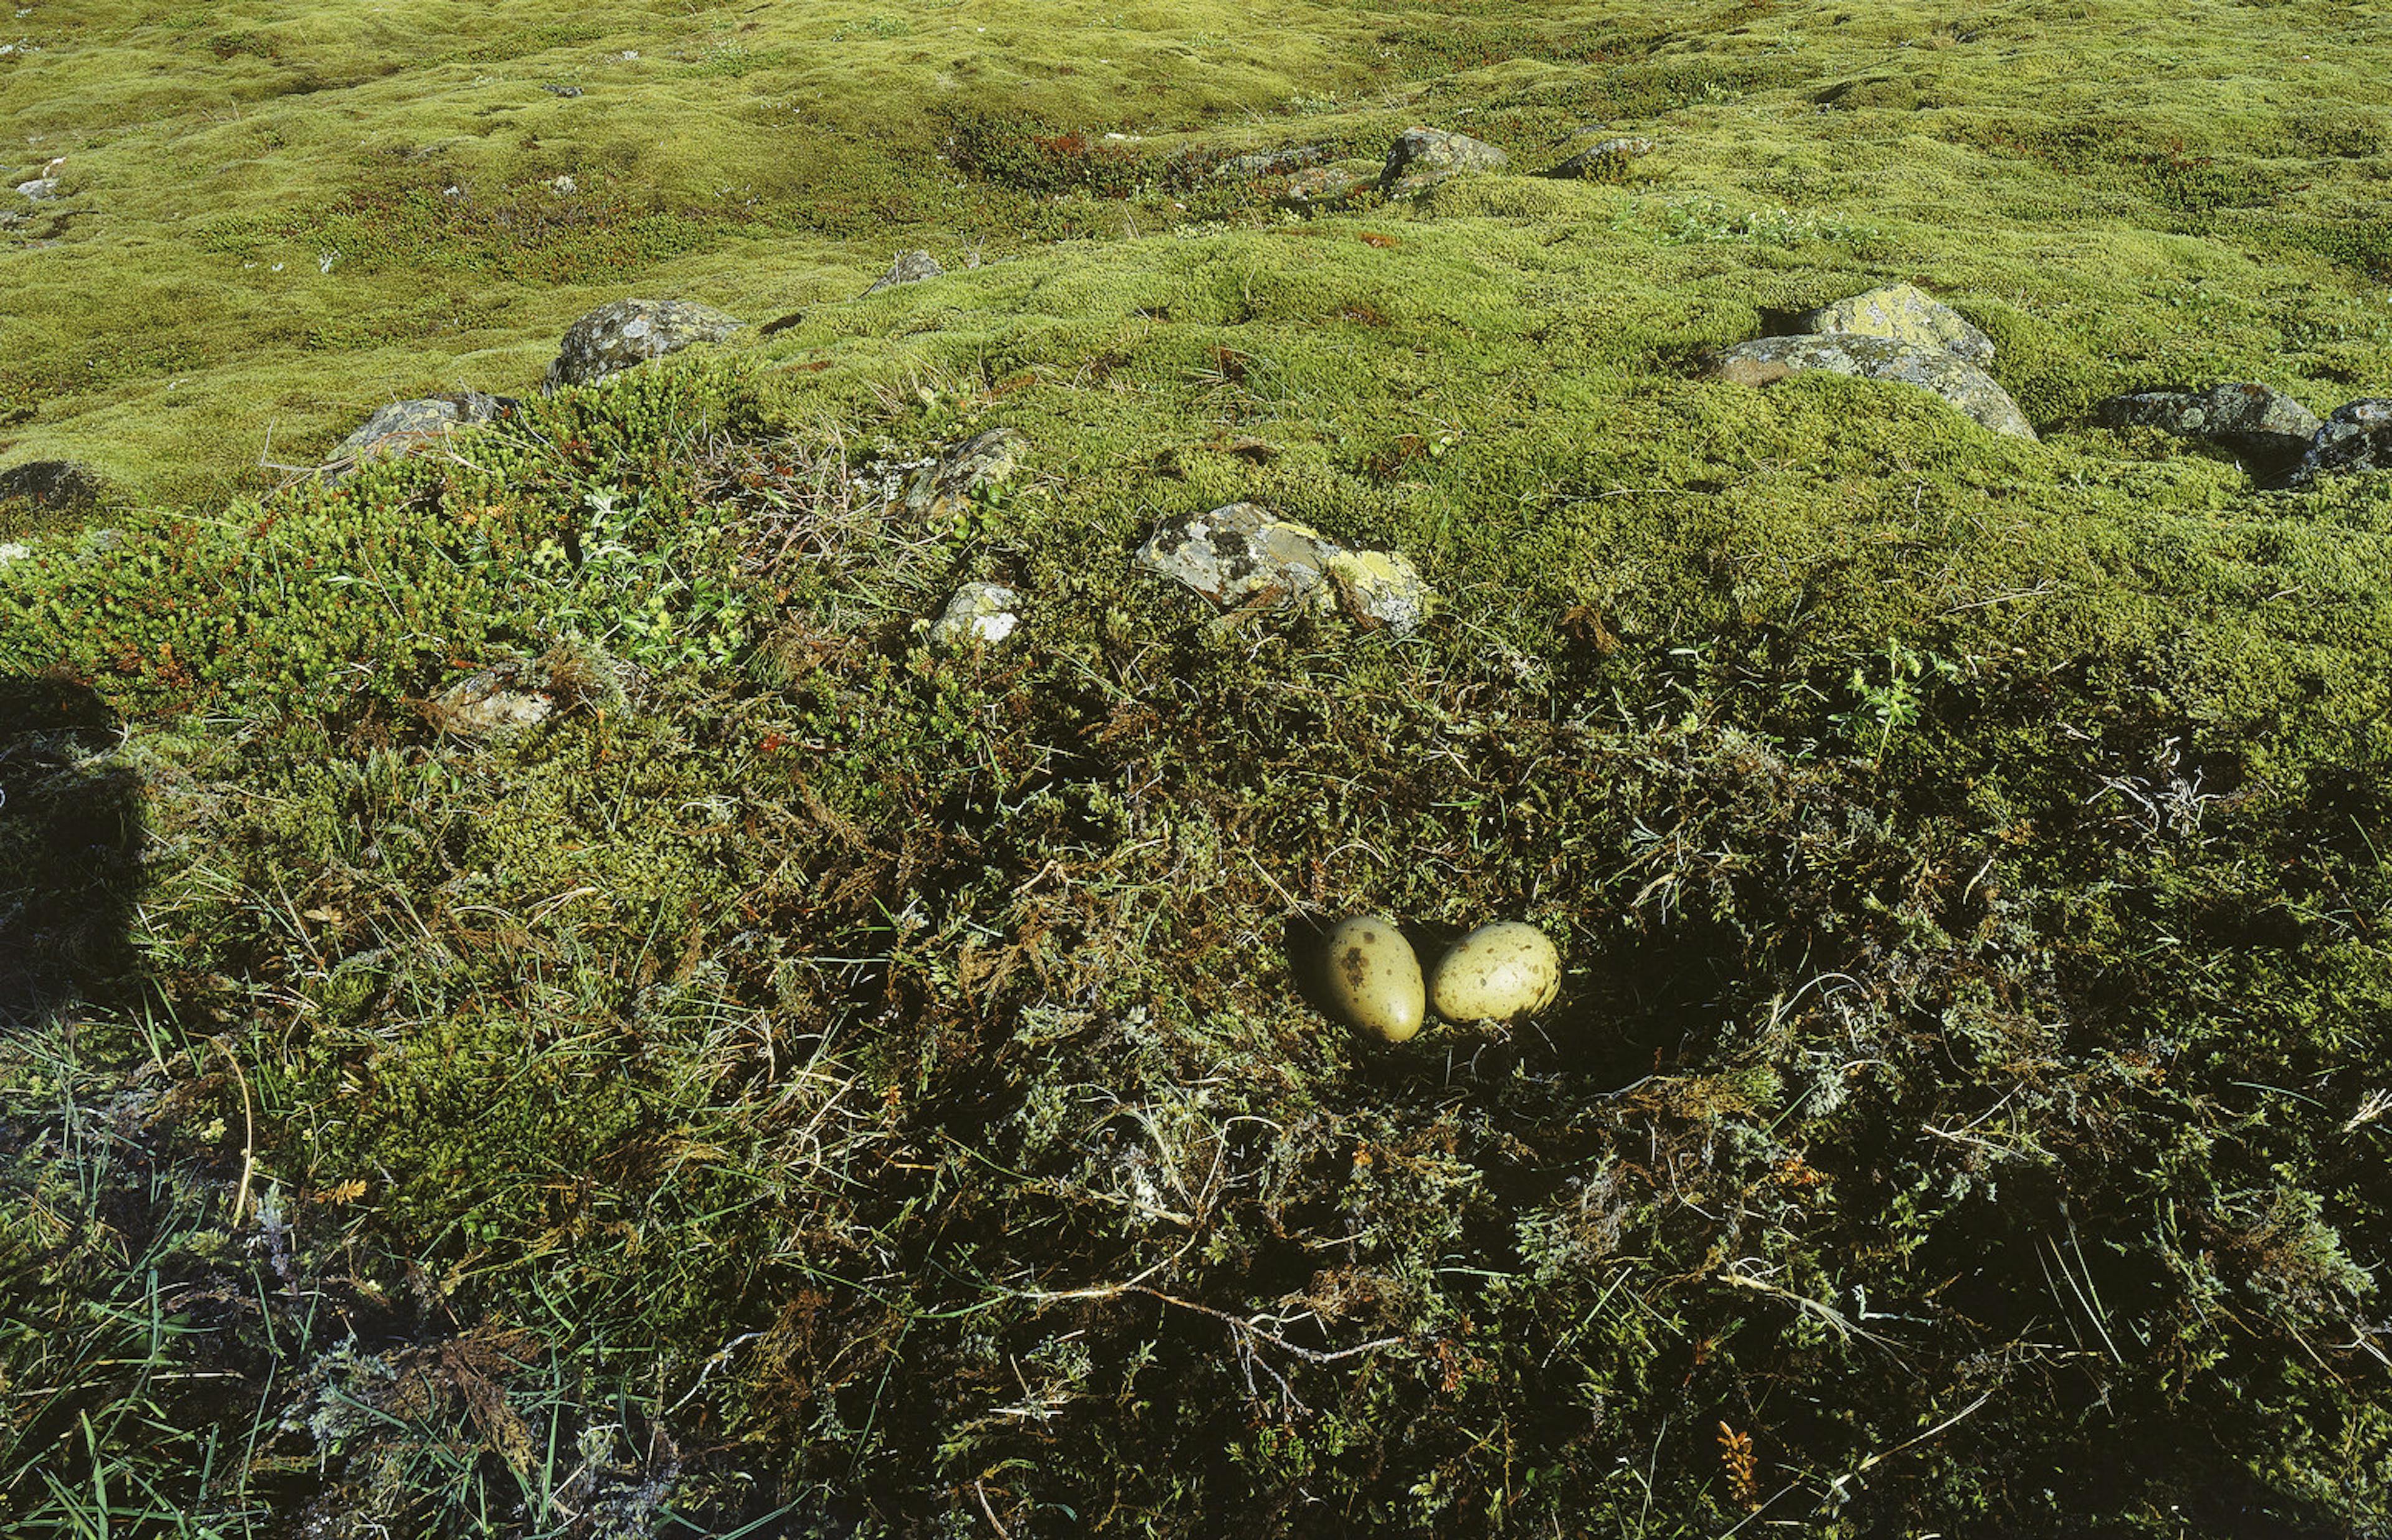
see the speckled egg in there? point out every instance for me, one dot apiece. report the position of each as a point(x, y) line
point(1497, 973)
point(1374, 979)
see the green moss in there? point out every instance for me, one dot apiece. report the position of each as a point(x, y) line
point(886, 1077)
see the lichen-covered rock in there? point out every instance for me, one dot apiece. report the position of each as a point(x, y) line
point(980, 612)
point(511, 694)
point(40, 189)
point(910, 267)
point(1424, 157)
point(13, 551)
point(1767, 360)
point(1379, 587)
point(2254, 420)
point(2357, 437)
point(1906, 314)
point(1244, 557)
point(51, 483)
point(946, 488)
point(403, 426)
point(627, 333)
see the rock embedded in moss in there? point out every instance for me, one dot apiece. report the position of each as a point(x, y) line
point(405, 426)
point(1244, 557)
point(1373, 978)
point(514, 693)
point(1424, 157)
point(2357, 437)
point(979, 614)
point(1903, 313)
point(520, 692)
point(1379, 587)
point(1766, 360)
point(52, 485)
point(946, 488)
point(629, 332)
point(1238, 556)
point(1500, 972)
point(917, 266)
point(2256, 421)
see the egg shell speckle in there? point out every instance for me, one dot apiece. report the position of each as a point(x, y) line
point(1497, 973)
point(1374, 977)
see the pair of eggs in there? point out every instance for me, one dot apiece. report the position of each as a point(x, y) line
point(1497, 973)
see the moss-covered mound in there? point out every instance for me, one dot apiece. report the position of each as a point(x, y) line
point(543, 998)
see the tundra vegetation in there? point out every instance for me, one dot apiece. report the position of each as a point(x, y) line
point(815, 1081)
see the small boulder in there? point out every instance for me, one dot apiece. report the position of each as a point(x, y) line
point(51, 484)
point(1243, 557)
point(1424, 157)
point(2357, 437)
point(910, 267)
point(980, 612)
point(404, 426)
point(1767, 360)
point(13, 551)
point(2254, 420)
point(944, 489)
point(1906, 314)
point(40, 189)
point(629, 332)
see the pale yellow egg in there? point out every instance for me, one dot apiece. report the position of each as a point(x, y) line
point(1374, 977)
point(1497, 973)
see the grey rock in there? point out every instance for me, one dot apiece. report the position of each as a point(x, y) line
point(629, 332)
point(51, 483)
point(40, 188)
point(1424, 157)
point(1905, 313)
point(980, 612)
point(2357, 437)
point(2252, 420)
point(562, 90)
point(1245, 559)
point(944, 489)
point(404, 426)
point(910, 267)
point(1967, 387)
point(13, 551)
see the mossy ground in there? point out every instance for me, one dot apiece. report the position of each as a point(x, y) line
point(825, 1083)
